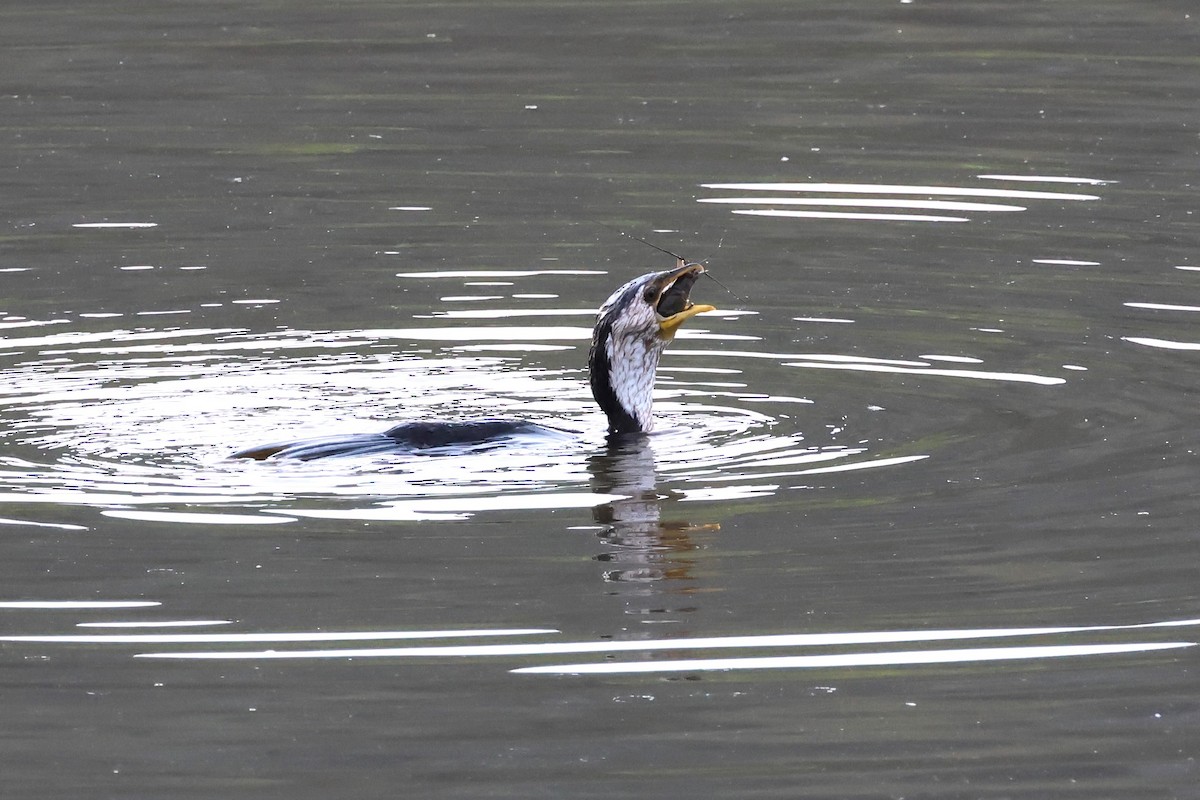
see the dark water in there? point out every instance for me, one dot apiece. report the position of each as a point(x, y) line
point(920, 519)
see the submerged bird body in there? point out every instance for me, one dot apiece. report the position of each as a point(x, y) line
point(632, 329)
point(407, 437)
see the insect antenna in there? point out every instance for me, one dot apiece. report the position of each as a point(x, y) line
point(709, 275)
point(680, 258)
point(639, 239)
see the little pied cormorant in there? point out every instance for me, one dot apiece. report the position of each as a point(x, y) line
point(633, 327)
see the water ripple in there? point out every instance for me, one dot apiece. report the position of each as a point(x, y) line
point(774, 212)
point(878, 188)
point(1061, 644)
point(139, 423)
point(818, 195)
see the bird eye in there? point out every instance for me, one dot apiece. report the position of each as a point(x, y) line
point(649, 295)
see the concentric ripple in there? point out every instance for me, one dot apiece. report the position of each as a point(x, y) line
point(141, 423)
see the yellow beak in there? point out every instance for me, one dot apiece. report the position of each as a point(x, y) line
point(669, 325)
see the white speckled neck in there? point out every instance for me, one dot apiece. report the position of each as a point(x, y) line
point(633, 361)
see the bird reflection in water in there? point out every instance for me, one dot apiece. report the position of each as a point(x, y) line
point(642, 548)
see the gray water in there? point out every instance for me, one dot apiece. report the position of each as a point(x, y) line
point(919, 519)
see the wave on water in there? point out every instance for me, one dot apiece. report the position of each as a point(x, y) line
point(892, 202)
point(840, 650)
point(140, 422)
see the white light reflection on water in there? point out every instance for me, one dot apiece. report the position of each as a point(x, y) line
point(1062, 646)
point(460, 507)
point(498, 273)
point(1162, 344)
point(714, 493)
point(651, 646)
point(1065, 262)
point(277, 637)
point(819, 196)
point(504, 313)
point(115, 225)
point(21, 322)
point(501, 347)
point(929, 205)
point(1162, 307)
point(953, 359)
point(59, 525)
point(823, 319)
point(1046, 179)
point(873, 463)
point(193, 518)
point(892, 659)
point(57, 605)
point(878, 188)
point(867, 364)
point(1011, 377)
point(774, 212)
point(170, 623)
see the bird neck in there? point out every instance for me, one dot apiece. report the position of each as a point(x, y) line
point(621, 372)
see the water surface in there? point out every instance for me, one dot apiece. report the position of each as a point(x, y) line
point(919, 513)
